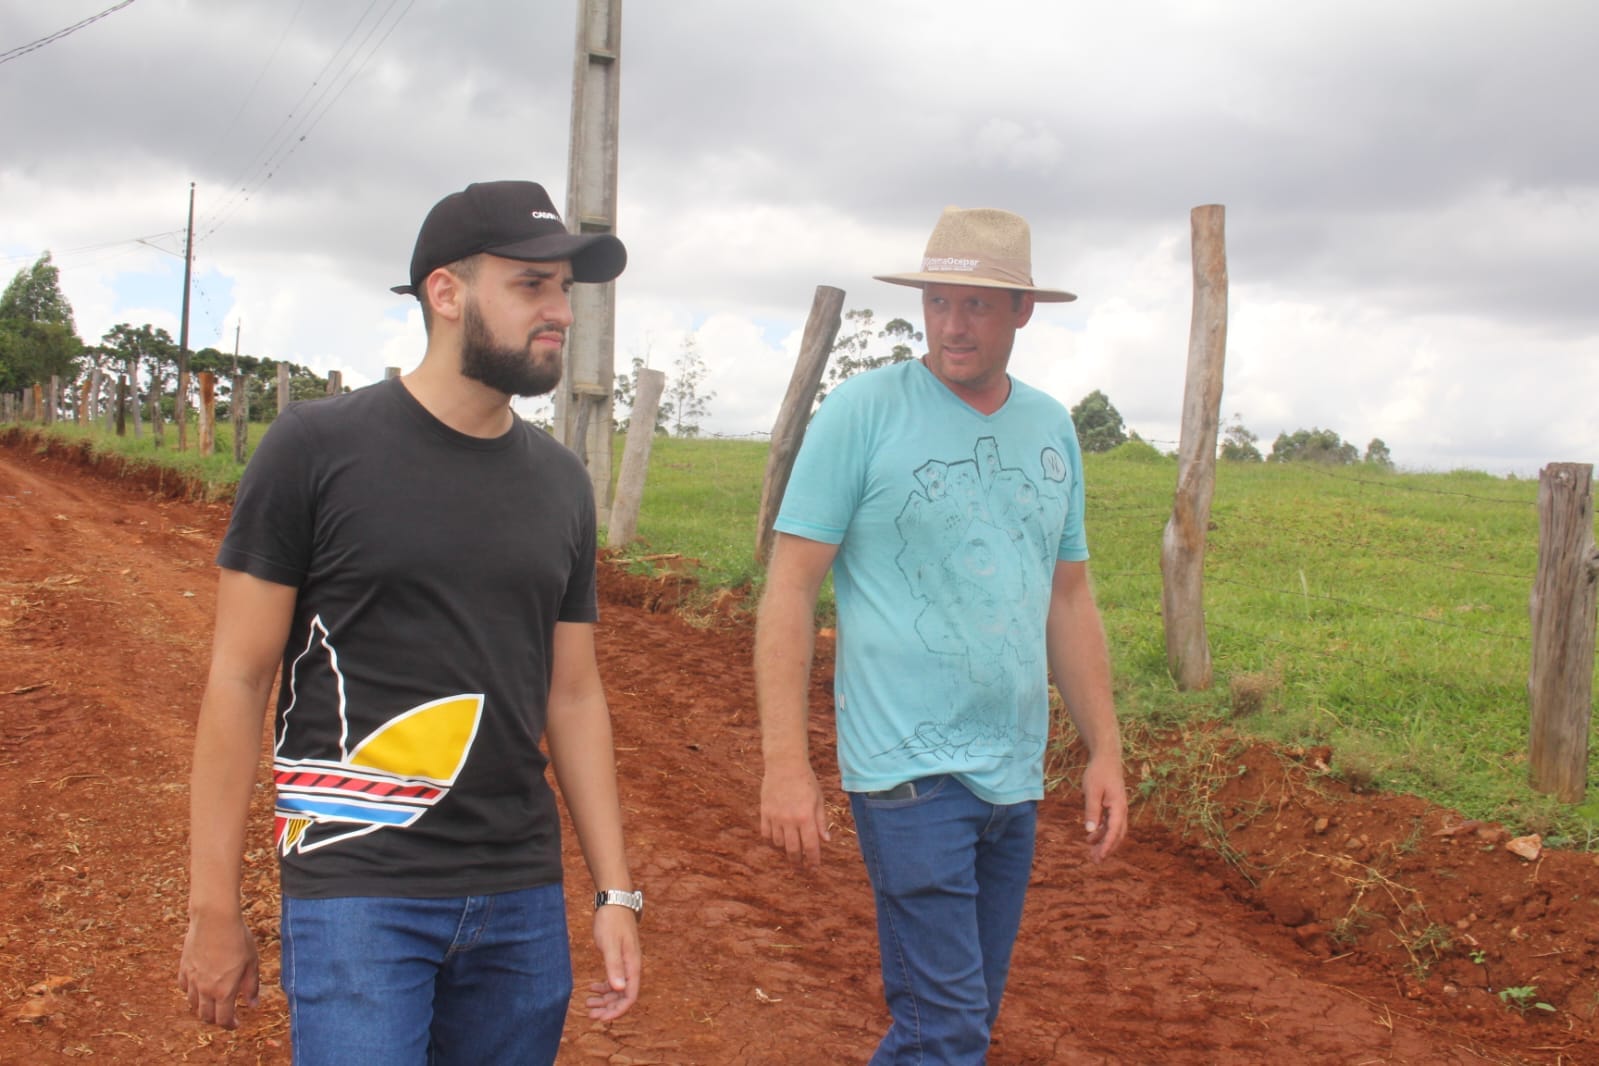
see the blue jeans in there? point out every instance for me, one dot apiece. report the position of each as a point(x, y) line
point(949, 872)
point(441, 982)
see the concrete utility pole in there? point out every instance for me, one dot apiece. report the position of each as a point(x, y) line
point(583, 402)
point(180, 409)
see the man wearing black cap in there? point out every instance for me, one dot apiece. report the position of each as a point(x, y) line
point(421, 563)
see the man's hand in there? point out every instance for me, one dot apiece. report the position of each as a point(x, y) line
point(616, 935)
point(793, 816)
point(1104, 807)
point(219, 965)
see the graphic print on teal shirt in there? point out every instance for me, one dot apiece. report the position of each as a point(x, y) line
point(966, 536)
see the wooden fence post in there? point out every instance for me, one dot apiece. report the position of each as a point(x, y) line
point(335, 382)
point(283, 387)
point(241, 417)
point(390, 372)
point(136, 409)
point(1560, 681)
point(52, 399)
point(208, 413)
point(816, 344)
point(122, 405)
point(623, 523)
point(180, 407)
point(157, 427)
point(1182, 552)
point(84, 414)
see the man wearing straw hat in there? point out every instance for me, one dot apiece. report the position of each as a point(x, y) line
point(946, 497)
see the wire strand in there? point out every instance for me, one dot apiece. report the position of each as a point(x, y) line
point(33, 46)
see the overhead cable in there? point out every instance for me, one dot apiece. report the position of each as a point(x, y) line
point(33, 46)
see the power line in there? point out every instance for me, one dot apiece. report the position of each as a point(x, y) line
point(256, 84)
point(33, 46)
point(263, 157)
point(87, 247)
point(282, 145)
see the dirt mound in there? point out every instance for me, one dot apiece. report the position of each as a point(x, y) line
point(1263, 910)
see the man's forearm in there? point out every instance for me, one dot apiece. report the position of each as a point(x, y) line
point(785, 640)
point(227, 753)
point(1079, 659)
point(582, 754)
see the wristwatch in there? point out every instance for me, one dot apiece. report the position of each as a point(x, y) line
point(633, 901)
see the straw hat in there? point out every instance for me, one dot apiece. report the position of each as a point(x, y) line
point(979, 246)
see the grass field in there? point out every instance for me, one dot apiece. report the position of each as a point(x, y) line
point(1383, 614)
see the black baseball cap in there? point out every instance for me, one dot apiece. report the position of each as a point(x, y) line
point(513, 219)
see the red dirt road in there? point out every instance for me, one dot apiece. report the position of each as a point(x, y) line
point(1341, 927)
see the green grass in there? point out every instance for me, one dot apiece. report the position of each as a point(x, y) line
point(1383, 614)
point(218, 470)
point(701, 499)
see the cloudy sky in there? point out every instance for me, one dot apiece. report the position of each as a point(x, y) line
point(1411, 189)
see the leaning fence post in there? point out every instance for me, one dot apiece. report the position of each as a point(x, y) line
point(1560, 681)
point(623, 520)
point(1182, 553)
point(816, 344)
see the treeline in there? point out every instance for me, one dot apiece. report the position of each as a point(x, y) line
point(863, 345)
point(39, 341)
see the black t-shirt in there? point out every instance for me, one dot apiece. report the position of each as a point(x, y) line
point(431, 567)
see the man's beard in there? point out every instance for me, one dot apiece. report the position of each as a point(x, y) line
point(503, 368)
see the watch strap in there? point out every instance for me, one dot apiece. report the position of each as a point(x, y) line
point(615, 897)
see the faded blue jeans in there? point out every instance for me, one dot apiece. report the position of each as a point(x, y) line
point(949, 872)
point(427, 982)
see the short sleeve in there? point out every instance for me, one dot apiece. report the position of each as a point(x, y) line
point(270, 533)
point(824, 490)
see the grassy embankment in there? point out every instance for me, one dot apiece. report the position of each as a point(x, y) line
point(1384, 615)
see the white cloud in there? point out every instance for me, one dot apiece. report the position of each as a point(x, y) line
point(1412, 198)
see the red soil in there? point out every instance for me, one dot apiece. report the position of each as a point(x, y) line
point(1261, 910)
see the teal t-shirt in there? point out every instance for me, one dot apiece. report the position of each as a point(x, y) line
point(949, 524)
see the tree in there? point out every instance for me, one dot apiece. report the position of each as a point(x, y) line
point(1239, 444)
point(865, 347)
point(1377, 455)
point(31, 352)
point(1099, 424)
point(34, 295)
point(37, 335)
point(685, 388)
point(131, 346)
point(1312, 446)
